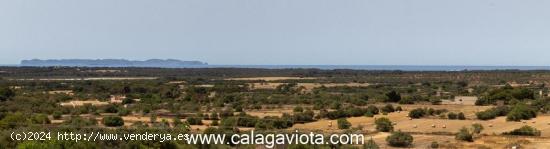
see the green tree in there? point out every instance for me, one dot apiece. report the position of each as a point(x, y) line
point(521, 112)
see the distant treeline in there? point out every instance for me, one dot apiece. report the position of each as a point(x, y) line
point(337, 75)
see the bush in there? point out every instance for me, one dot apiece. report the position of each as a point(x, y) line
point(343, 123)
point(399, 139)
point(398, 108)
point(493, 113)
point(434, 145)
point(383, 124)
point(373, 110)
point(393, 96)
point(113, 121)
point(461, 116)
point(388, 108)
point(370, 145)
point(452, 115)
point(40, 119)
point(298, 109)
point(477, 128)
point(524, 131)
point(417, 113)
point(194, 120)
point(464, 135)
point(521, 112)
point(57, 115)
point(435, 101)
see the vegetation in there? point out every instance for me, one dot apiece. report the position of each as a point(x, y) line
point(343, 123)
point(207, 94)
point(113, 121)
point(383, 124)
point(399, 139)
point(524, 131)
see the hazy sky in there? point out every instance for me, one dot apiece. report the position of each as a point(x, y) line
point(339, 32)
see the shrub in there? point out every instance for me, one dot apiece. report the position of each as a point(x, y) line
point(370, 145)
point(40, 119)
point(524, 131)
point(399, 139)
point(461, 116)
point(373, 109)
point(434, 145)
point(521, 112)
point(477, 128)
point(398, 108)
point(215, 123)
point(435, 101)
point(113, 121)
point(343, 123)
point(493, 113)
point(298, 109)
point(451, 115)
point(406, 101)
point(194, 120)
point(464, 135)
point(393, 96)
point(383, 124)
point(214, 116)
point(388, 108)
point(57, 115)
point(417, 113)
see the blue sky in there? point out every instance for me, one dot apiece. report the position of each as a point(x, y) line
point(336, 32)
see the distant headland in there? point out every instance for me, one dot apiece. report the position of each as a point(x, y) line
point(173, 63)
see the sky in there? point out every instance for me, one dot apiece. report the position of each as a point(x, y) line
point(280, 32)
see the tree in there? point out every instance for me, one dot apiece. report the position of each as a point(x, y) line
point(399, 139)
point(343, 123)
point(113, 121)
point(393, 96)
point(383, 124)
point(521, 112)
